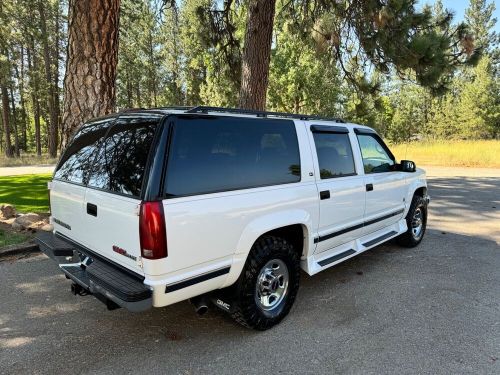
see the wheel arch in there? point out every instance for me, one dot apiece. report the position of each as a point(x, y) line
point(420, 191)
point(293, 225)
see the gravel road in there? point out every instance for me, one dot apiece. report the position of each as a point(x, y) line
point(434, 309)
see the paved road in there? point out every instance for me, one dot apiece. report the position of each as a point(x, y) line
point(434, 309)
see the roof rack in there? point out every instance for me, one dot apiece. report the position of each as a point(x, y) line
point(206, 109)
point(176, 107)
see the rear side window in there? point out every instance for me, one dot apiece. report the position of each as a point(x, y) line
point(120, 165)
point(218, 154)
point(334, 155)
point(76, 162)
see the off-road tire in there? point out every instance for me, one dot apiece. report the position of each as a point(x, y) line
point(246, 310)
point(408, 239)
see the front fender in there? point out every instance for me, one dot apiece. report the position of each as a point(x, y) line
point(262, 225)
point(416, 181)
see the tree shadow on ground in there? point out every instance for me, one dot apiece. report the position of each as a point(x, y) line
point(365, 295)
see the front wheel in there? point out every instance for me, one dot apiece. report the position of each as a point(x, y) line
point(416, 219)
point(268, 285)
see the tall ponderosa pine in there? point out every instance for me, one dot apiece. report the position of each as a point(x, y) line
point(89, 84)
point(479, 17)
point(387, 35)
point(52, 92)
point(257, 54)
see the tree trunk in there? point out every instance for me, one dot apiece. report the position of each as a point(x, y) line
point(57, 106)
point(33, 67)
point(152, 71)
point(14, 122)
point(129, 90)
point(24, 122)
point(52, 127)
point(5, 119)
point(89, 84)
point(257, 54)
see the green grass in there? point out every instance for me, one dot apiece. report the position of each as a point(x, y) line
point(26, 159)
point(27, 192)
point(11, 238)
point(483, 154)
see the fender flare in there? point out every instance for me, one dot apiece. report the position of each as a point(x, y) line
point(262, 225)
point(415, 184)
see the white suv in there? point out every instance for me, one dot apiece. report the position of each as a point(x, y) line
point(223, 206)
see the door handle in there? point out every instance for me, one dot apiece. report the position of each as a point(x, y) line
point(325, 194)
point(92, 209)
point(369, 187)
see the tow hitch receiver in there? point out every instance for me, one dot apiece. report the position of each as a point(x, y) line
point(78, 290)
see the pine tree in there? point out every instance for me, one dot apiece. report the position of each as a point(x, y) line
point(478, 109)
point(302, 79)
point(89, 84)
point(479, 17)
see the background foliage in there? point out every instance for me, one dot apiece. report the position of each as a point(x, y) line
point(168, 56)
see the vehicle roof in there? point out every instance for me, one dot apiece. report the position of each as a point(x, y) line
point(234, 112)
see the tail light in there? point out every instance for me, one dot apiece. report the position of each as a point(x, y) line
point(152, 230)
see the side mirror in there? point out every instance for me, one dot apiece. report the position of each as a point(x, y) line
point(408, 166)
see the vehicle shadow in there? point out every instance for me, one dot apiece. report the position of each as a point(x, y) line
point(366, 296)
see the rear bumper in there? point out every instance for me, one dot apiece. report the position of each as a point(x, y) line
point(107, 281)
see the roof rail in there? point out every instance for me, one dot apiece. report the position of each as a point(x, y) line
point(123, 110)
point(176, 107)
point(206, 109)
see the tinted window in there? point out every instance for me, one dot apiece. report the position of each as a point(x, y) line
point(334, 155)
point(375, 157)
point(77, 160)
point(218, 154)
point(121, 162)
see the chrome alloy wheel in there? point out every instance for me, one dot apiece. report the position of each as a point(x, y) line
point(417, 223)
point(272, 285)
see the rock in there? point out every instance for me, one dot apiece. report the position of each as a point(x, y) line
point(17, 226)
point(47, 227)
point(7, 211)
point(28, 219)
point(9, 221)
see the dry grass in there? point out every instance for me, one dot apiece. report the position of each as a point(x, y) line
point(26, 159)
point(483, 154)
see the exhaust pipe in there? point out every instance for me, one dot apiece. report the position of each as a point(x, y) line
point(200, 304)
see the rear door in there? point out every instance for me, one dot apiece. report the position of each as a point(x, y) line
point(341, 189)
point(67, 192)
point(113, 195)
point(386, 187)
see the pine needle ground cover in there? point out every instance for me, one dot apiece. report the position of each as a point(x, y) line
point(28, 193)
point(483, 154)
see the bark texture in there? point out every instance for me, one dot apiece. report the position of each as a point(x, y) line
point(257, 54)
point(52, 99)
point(89, 83)
point(5, 120)
point(35, 89)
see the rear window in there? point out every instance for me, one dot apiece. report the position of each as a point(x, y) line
point(334, 155)
point(109, 155)
point(218, 154)
point(121, 162)
point(76, 162)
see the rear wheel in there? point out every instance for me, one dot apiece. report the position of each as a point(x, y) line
point(268, 285)
point(416, 220)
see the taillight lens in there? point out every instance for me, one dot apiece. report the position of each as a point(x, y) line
point(152, 230)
